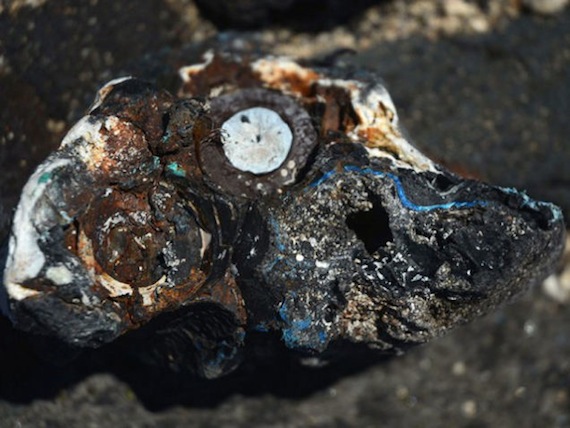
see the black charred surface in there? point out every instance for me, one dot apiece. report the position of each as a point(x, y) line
point(335, 252)
point(425, 253)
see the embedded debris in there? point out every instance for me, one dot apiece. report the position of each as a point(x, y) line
point(265, 198)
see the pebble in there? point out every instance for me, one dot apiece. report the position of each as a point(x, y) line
point(469, 408)
point(546, 7)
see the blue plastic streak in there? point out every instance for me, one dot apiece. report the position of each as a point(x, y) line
point(401, 192)
point(293, 335)
point(176, 169)
point(277, 234)
point(536, 205)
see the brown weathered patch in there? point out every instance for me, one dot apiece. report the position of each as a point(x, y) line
point(338, 114)
point(376, 138)
point(286, 76)
point(219, 73)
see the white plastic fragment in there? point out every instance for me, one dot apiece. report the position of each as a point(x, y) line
point(256, 140)
point(25, 257)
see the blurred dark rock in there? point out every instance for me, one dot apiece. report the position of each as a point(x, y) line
point(303, 15)
point(545, 7)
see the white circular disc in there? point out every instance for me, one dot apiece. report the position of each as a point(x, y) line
point(256, 140)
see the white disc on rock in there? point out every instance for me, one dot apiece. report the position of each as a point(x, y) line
point(256, 140)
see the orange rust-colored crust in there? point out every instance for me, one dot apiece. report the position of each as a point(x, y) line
point(141, 303)
point(218, 73)
point(165, 299)
point(287, 77)
point(376, 138)
point(144, 112)
point(227, 75)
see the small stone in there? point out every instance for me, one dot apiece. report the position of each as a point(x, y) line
point(469, 408)
point(402, 393)
point(459, 368)
point(529, 328)
point(520, 391)
point(545, 7)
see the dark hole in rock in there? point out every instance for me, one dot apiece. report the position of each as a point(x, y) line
point(443, 182)
point(372, 227)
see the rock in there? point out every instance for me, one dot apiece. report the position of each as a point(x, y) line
point(309, 15)
point(546, 7)
point(334, 233)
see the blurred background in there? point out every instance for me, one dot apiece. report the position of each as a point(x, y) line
point(482, 86)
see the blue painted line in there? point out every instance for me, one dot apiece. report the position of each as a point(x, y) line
point(410, 205)
point(401, 192)
point(273, 263)
point(275, 226)
point(283, 312)
point(324, 178)
point(528, 202)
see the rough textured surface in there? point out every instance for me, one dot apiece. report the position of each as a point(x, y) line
point(511, 369)
point(353, 241)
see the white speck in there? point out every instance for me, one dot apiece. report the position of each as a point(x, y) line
point(59, 275)
point(105, 90)
point(557, 287)
point(113, 221)
point(85, 299)
point(529, 328)
point(322, 265)
point(187, 72)
point(206, 238)
point(114, 287)
point(459, 368)
point(150, 292)
point(469, 408)
point(299, 257)
point(256, 140)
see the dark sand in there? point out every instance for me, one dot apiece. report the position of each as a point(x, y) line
point(486, 91)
